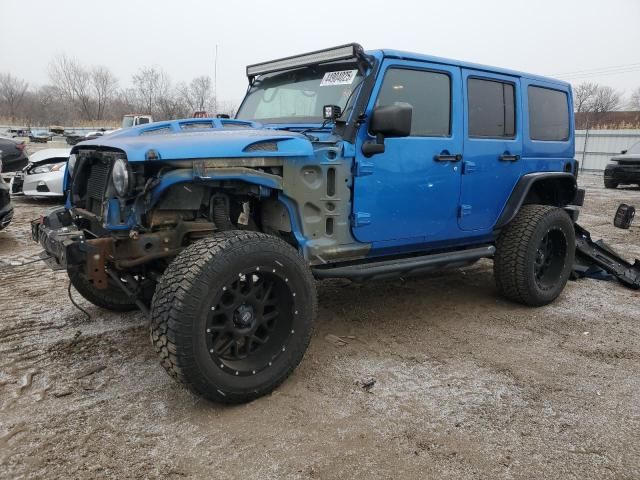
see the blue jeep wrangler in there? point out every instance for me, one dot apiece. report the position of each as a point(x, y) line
point(339, 163)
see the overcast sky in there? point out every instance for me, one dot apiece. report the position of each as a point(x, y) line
point(600, 39)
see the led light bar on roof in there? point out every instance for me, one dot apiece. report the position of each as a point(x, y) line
point(343, 52)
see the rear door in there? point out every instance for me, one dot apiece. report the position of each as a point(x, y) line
point(492, 147)
point(409, 194)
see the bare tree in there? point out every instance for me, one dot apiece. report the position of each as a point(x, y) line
point(104, 85)
point(171, 105)
point(227, 107)
point(583, 96)
point(606, 99)
point(74, 83)
point(595, 101)
point(198, 95)
point(12, 91)
point(152, 85)
point(634, 101)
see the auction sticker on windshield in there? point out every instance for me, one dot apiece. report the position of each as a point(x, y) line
point(343, 77)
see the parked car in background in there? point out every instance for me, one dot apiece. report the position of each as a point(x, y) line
point(14, 157)
point(6, 208)
point(39, 136)
point(13, 132)
point(74, 138)
point(93, 135)
point(44, 175)
point(623, 168)
point(135, 119)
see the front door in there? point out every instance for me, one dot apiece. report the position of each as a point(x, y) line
point(409, 194)
point(492, 147)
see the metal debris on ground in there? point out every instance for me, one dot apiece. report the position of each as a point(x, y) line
point(366, 384)
point(598, 260)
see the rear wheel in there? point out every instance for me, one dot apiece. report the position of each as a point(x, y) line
point(233, 315)
point(534, 255)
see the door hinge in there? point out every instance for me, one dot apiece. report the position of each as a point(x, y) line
point(362, 168)
point(358, 219)
point(468, 167)
point(465, 210)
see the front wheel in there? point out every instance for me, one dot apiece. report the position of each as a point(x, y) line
point(608, 183)
point(233, 314)
point(534, 255)
point(110, 298)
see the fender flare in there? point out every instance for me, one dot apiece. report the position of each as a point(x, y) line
point(564, 183)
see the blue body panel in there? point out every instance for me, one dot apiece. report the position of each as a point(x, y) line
point(487, 181)
point(200, 138)
point(403, 194)
point(407, 202)
point(403, 200)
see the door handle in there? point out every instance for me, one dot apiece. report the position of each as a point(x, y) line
point(446, 157)
point(507, 157)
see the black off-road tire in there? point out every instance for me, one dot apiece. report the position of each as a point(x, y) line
point(608, 183)
point(194, 285)
point(112, 298)
point(518, 261)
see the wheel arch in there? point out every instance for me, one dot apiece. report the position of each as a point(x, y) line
point(544, 188)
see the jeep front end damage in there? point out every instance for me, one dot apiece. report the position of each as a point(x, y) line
point(134, 217)
point(69, 247)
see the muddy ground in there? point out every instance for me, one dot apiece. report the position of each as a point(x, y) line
point(467, 385)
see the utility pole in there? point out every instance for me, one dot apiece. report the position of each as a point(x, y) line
point(215, 82)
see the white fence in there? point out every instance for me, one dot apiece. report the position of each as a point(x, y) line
point(601, 145)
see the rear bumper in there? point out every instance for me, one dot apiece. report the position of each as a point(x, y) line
point(14, 163)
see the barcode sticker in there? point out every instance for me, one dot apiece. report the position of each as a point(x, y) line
point(343, 77)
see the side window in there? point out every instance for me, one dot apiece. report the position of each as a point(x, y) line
point(429, 93)
point(491, 107)
point(548, 114)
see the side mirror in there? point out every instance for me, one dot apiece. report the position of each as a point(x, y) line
point(623, 152)
point(388, 121)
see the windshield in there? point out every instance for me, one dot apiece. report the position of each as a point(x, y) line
point(297, 96)
point(127, 122)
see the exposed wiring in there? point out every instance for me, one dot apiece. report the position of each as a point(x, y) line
point(7, 267)
point(75, 304)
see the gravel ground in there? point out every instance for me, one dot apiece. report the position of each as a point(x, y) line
point(467, 385)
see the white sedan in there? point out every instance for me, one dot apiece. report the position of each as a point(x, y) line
point(44, 175)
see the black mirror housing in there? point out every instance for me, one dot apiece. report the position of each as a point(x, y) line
point(388, 121)
point(392, 120)
point(623, 152)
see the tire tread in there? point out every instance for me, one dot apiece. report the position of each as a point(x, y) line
point(170, 329)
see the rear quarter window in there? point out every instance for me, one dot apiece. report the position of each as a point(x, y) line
point(548, 114)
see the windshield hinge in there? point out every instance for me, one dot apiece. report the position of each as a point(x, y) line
point(362, 168)
point(359, 219)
